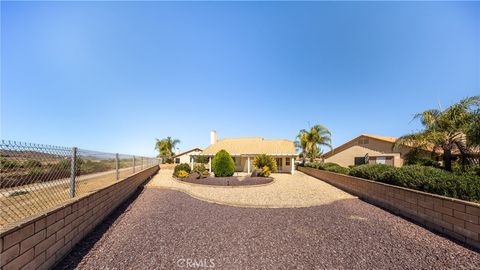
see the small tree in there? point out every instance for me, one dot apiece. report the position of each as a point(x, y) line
point(264, 160)
point(223, 164)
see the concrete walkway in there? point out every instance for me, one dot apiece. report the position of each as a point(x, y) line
point(286, 191)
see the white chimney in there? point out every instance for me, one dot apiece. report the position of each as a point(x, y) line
point(213, 137)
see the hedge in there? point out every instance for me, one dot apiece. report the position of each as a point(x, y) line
point(328, 166)
point(223, 164)
point(422, 178)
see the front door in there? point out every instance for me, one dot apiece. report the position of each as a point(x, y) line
point(279, 164)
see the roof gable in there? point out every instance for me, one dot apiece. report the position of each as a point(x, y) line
point(352, 143)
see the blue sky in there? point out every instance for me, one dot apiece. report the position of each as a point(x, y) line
point(113, 76)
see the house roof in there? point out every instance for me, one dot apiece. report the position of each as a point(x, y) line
point(252, 146)
point(186, 152)
point(347, 144)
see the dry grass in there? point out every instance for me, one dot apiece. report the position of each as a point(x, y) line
point(31, 200)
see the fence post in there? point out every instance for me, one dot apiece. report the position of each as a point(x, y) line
point(133, 164)
point(142, 163)
point(116, 166)
point(73, 172)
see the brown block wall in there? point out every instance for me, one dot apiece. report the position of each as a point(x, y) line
point(43, 240)
point(456, 218)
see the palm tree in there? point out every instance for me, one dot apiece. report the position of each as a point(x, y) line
point(165, 147)
point(309, 142)
point(445, 130)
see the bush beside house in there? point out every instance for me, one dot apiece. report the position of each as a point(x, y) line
point(422, 178)
point(181, 167)
point(265, 165)
point(223, 164)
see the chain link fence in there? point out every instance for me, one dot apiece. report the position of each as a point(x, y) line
point(35, 178)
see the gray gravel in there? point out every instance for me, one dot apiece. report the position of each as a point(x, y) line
point(163, 228)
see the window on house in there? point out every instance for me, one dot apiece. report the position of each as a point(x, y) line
point(287, 161)
point(359, 160)
point(177, 160)
point(380, 160)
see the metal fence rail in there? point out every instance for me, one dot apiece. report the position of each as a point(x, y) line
point(35, 178)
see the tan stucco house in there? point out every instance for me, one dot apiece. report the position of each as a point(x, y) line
point(186, 157)
point(369, 149)
point(244, 150)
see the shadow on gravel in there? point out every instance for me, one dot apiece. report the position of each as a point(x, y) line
point(82, 248)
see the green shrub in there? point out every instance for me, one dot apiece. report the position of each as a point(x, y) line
point(201, 159)
point(375, 172)
point(328, 166)
point(264, 160)
point(423, 178)
point(336, 169)
point(199, 168)
point(223, 164)
point(181, 167)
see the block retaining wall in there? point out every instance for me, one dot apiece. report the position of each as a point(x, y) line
point(41, 241)
point(456, 218)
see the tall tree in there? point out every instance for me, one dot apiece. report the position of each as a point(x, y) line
point(166, 147)
point(445, 130)
point(310, 141)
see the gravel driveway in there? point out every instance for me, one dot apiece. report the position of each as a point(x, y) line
point(167, 229)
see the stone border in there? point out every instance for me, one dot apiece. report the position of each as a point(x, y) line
point(217, 186)
point(456, 218)
point(41, 241)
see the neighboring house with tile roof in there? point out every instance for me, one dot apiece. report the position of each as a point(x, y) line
point(369, 149)
point(186, 157)
point(244, 150)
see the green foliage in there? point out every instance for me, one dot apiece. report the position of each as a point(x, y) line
point(310, 141)
point(166, 147)
point(201, 159)
point(199, 168)
point(223, 164)
point(9, 164)
point(423, 178)
point(32, 163)
point(181, 167)
point(328, 166)
point(443, 130)
point(264, 160)
point(375, 172)
point(413, 157)
point(465, 186)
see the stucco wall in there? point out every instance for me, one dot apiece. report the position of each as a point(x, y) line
point(373, 148)
point(455, 218)
point(185, 158)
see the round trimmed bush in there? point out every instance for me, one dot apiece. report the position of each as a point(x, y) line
point(223, 164)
